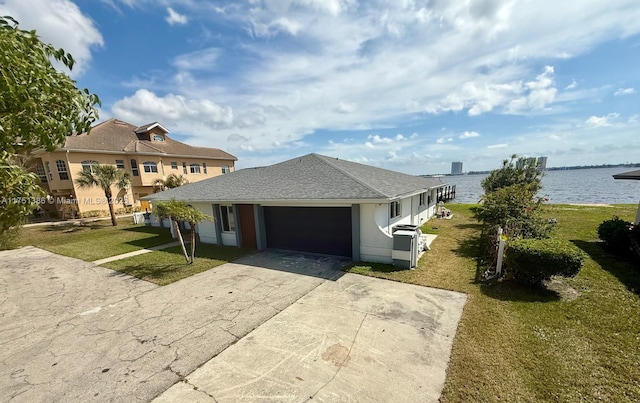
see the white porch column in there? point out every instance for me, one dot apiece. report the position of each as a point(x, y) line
point(637, 221)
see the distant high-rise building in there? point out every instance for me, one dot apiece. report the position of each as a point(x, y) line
point(528, 161)
point(456, 168)
point(542, 163)
point(539, 162)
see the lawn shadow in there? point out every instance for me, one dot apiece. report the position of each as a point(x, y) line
point(158, 236)
point(624, 268)
point(475, 248)
point(147, 272)
point(513, 291)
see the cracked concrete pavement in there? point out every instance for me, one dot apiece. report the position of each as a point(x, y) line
point(270, 326)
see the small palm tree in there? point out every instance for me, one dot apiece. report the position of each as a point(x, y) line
point(172, 181)
point(104, 176)
point(181, 211)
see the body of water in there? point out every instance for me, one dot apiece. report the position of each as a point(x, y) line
point(583, 186)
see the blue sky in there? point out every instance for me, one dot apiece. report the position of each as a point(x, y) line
point(408, 85)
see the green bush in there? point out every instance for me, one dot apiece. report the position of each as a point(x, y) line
point(515, 209)
point(616, 234)
point(534, 260)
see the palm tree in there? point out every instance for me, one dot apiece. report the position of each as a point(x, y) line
point(180, 211)
point(172, 181)
point(104, 176)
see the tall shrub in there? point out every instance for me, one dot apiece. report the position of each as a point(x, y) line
point(510, 200)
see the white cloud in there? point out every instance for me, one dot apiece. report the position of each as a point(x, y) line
point(145, 106)
point(571, 86)
point(501, 145)
point(204, 59)
point(602, 121)
point(344, 107)
point(468, 135)
point(59, 22)
point(175, 18)
point(319, 66)
point(624, 91)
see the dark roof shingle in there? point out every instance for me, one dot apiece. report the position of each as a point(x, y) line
point(310, 177)
point(118, 136)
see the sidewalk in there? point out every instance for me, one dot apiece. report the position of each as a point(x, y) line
point(136, 253)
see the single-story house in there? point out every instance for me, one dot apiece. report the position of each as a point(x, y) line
point(312, 203)
point(634, 175)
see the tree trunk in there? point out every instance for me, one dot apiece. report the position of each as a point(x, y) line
point(107, 194)
point(193, 240)
point(184, 249)
point(193, 243)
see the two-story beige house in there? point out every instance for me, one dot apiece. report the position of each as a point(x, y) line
point(147, 153)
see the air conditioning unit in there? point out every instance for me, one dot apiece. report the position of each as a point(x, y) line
point(406, 246)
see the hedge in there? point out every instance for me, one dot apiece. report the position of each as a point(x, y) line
point(616, 234)
point(534, 260)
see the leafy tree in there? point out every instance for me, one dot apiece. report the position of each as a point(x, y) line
point(104, 176)
point(39, 107)
point(514, 209)
point(172, 181)
point(514, 171)
point(510, 200)
point(180, 211)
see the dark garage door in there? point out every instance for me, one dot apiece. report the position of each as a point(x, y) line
point(309, 229)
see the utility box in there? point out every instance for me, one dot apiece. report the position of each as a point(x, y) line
point(405, 248)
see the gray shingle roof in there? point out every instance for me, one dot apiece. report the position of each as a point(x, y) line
point(118, 136)
point(310, 177)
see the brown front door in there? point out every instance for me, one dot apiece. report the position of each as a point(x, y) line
point(144, 204)
point(247, 226)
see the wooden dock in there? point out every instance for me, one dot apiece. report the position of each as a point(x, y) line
point(446, 193)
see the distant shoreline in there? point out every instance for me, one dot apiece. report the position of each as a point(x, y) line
point(569, 168)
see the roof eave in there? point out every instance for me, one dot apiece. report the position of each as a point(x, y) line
point(81, 150)
point(152, 126)
point(153, 197)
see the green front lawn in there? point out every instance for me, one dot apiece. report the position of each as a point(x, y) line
point(94, 240)
point(576, 340)
point(168, 265)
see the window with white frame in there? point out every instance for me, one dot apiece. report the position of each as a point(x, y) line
point(158, 137)
point(174, 165)
point(228, 220)
point(41, 173)
point(120, 164)
point(394, 209)
point(194, 168)
point(150, 167)
point(88, 165)
point(226, 169)
point(63, 173)
point(423, 199)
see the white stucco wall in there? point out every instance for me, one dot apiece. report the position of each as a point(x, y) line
point(376, 241)
point(206, 229)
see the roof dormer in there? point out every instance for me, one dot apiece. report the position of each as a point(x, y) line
point(154, 132)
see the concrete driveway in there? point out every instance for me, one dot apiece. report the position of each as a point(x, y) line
point(271, 326)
